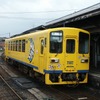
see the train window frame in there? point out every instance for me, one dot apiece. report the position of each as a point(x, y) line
point(61, 47)
point(23, 45)
point(42, 46)
point(14, 45)
point(70, 46)
point(83, 48)
point(20, 47)
point(9, 45)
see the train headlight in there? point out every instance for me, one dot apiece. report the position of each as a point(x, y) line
point(84, 60)
point(54, 60)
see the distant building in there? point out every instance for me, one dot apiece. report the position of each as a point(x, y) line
point(2, 43)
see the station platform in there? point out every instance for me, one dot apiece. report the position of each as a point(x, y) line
point(94, 78)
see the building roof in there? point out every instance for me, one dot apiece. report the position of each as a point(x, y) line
point(82, 14)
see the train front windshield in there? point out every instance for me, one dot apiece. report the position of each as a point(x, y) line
point(56, 42)
point(83, 43)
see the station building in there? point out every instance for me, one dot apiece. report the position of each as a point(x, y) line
point(2, 43)
point(88, 19)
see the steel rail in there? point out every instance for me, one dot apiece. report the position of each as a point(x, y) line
point(11, 88)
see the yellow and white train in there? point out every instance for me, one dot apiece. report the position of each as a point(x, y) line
point(57, 55)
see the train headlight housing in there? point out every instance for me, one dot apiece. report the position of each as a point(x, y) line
point(84, 60)
point(54, 60)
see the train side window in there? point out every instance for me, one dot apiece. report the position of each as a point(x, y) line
point(70, 46)
point(19, 45)
point(42, 46)
point(83, 43)
point(9, 46)
point(23, 45)
point(14, 46)
point(5, 44)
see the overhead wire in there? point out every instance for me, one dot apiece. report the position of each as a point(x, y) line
point(2, 14)
point(24, 18)
point(37, 12)
point(10, 17)
point(4, 33)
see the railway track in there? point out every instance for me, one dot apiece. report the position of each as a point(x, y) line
point(59, 95)
point(78, 93)
point(52, 92)
point(9, 90)
point(82, 92)
point(10, 93)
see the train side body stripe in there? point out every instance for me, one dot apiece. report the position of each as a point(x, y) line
point(32, 66)
point(60, 71)
point(52, 71)
point(83, 71)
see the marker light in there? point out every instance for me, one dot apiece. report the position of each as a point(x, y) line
point(54, 60)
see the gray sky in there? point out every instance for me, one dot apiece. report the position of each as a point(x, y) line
point(17, 16)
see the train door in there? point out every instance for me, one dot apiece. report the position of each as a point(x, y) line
point(70, 55)
point(83, 52)
point(41, 54)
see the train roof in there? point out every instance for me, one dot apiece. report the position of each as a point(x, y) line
point(51, 29)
